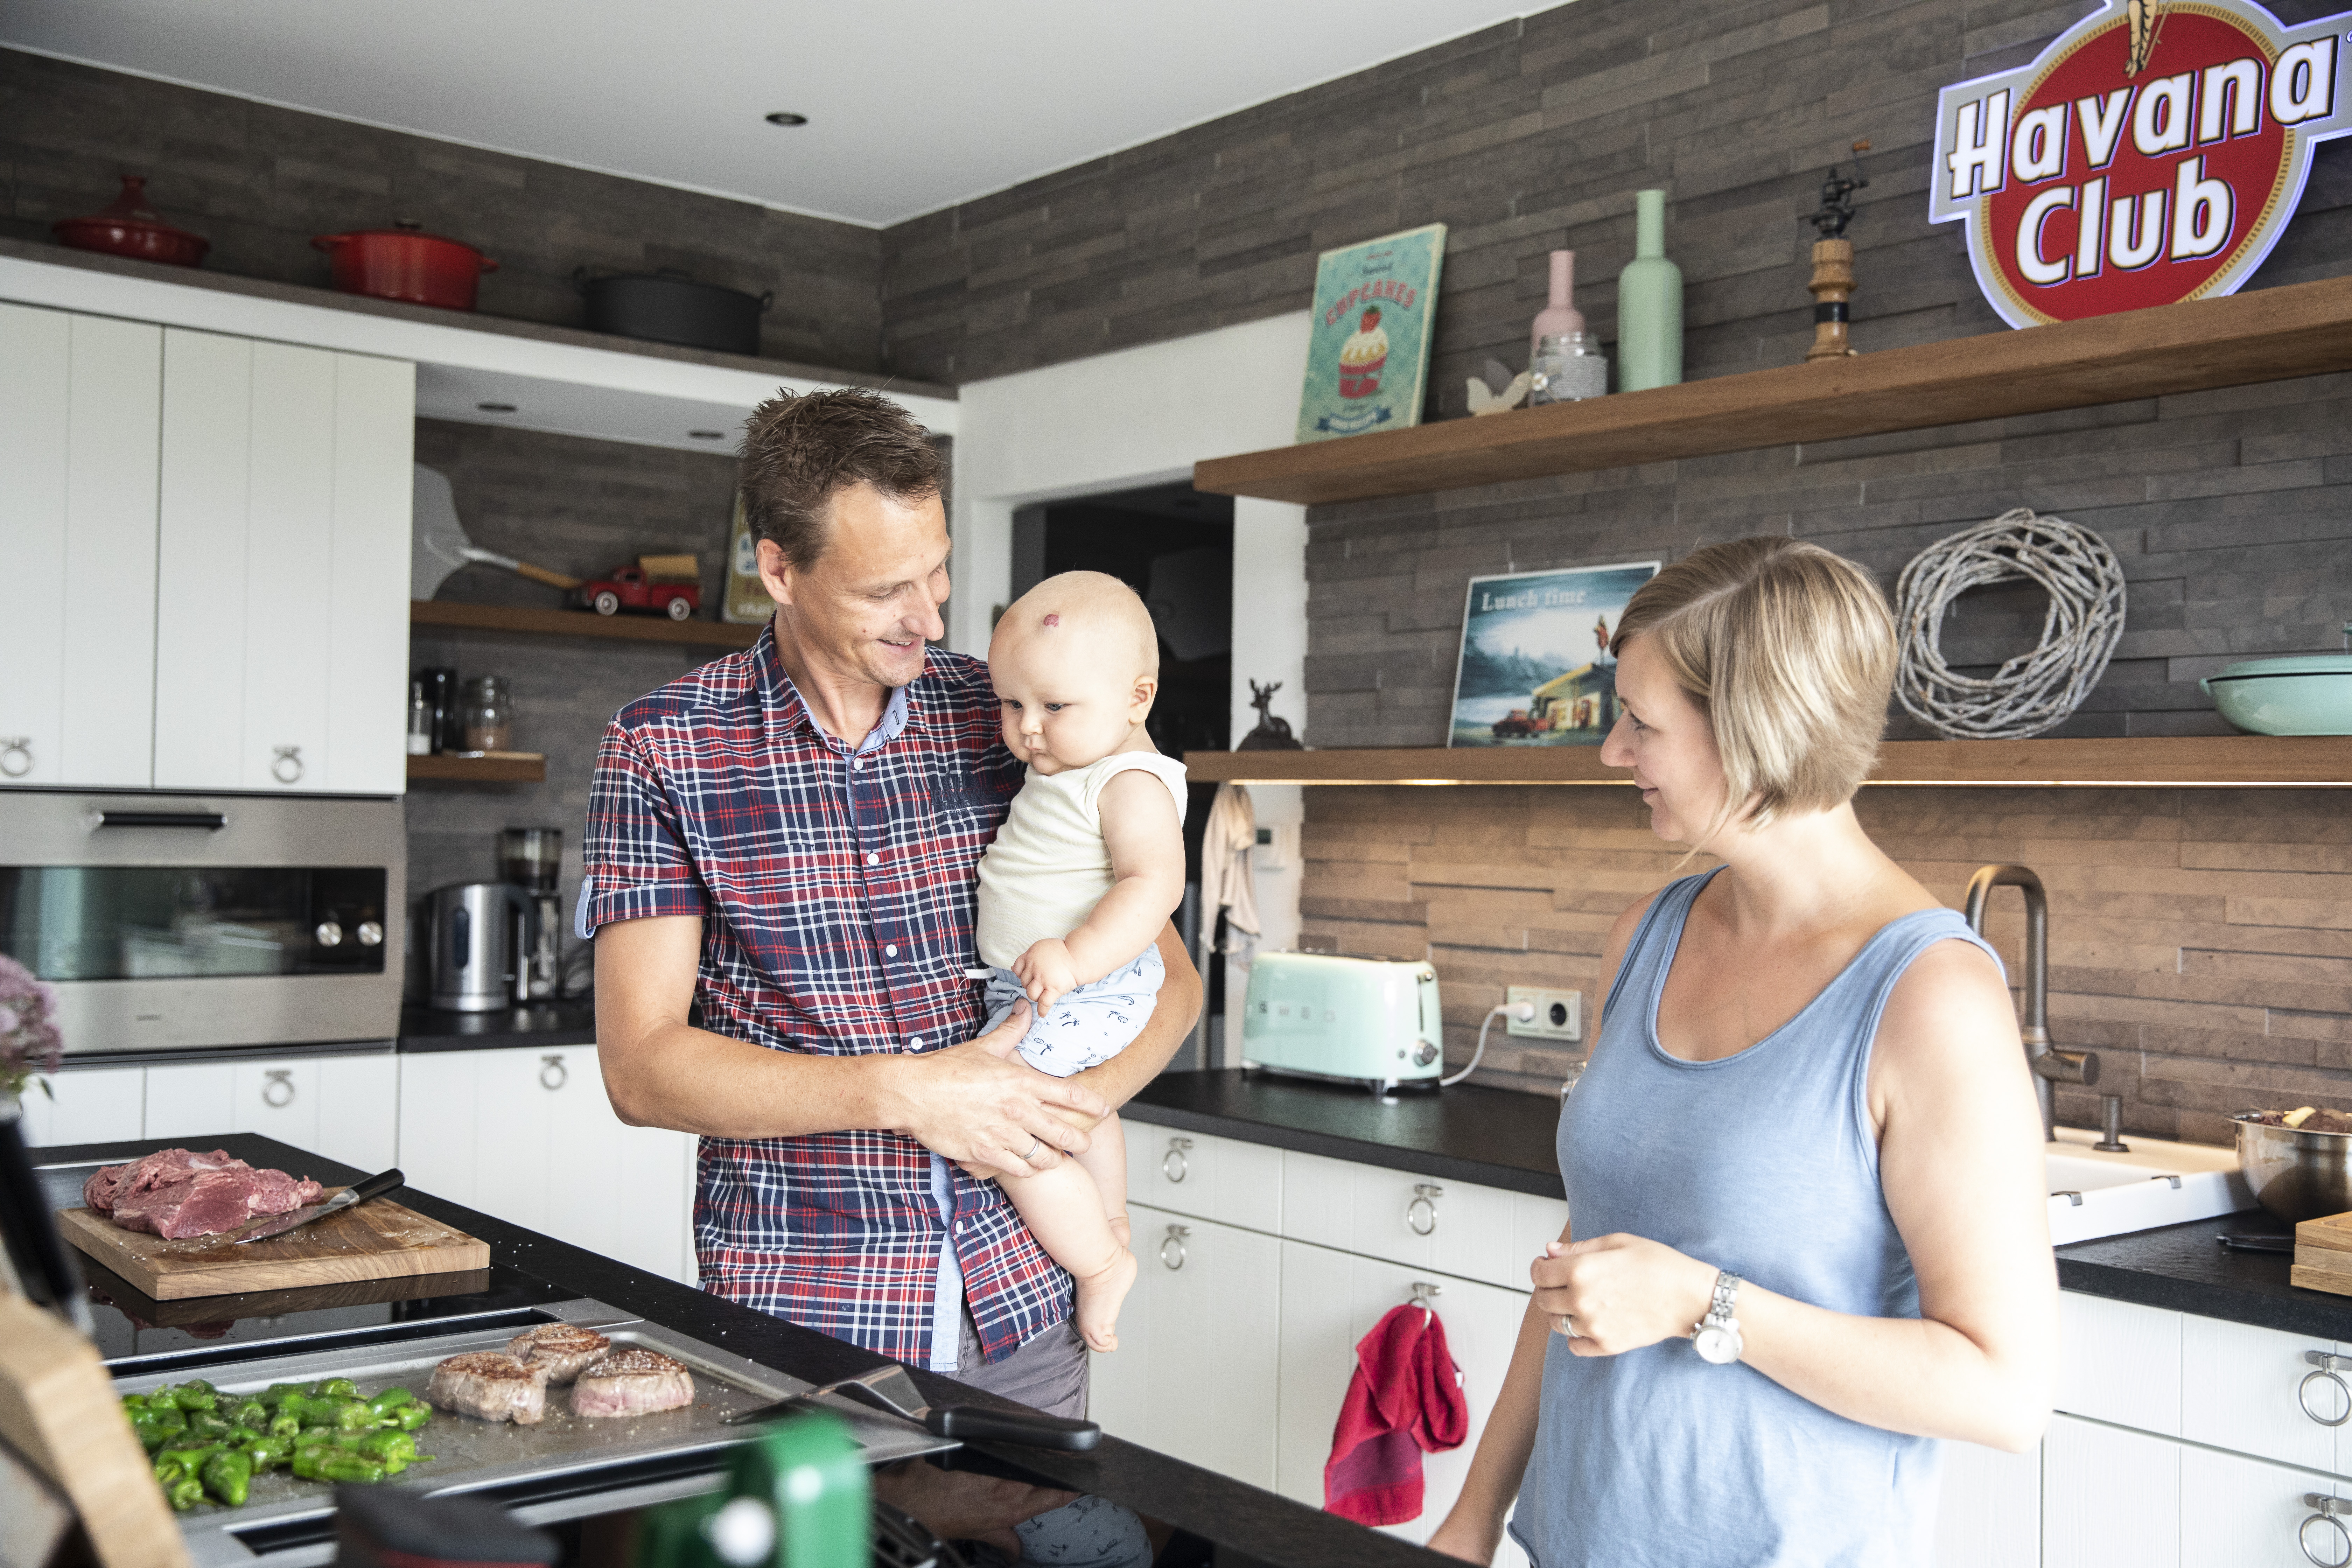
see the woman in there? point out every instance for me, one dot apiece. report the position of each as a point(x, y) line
point(1804, 1164)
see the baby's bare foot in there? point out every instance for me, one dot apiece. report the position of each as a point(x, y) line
point(1099, 1297)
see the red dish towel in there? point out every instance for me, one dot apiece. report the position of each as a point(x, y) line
point(1405, 1399)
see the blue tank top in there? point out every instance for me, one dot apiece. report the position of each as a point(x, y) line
point(1763, 1164)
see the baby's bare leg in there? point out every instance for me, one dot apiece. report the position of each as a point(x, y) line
point(1065, 1210)
point(1106, 1161)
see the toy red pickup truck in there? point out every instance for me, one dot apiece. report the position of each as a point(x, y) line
point(632, 588)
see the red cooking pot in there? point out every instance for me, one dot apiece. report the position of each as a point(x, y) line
point(129, 226)
point(404, 263)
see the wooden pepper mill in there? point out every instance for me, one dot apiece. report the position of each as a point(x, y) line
point(1833, 281)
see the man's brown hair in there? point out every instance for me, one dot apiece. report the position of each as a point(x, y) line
point(799, 448)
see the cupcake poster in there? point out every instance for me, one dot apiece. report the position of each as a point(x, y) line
point(1369, 357)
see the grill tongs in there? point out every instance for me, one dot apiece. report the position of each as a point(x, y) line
point(890, 1389)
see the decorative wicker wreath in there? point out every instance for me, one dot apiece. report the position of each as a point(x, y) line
point(2034, 692)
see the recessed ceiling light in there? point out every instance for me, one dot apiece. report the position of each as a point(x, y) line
point(706, 434)
point(786, 117)
point(495, 407)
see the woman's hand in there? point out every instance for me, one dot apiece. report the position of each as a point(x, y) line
point(1617, 1293)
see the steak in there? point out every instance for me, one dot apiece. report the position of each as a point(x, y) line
point(177, 1193)
point(557, 1352)
point(490, 1385)
point(632, 1382)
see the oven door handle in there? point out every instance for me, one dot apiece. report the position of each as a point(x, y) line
point(210, 821)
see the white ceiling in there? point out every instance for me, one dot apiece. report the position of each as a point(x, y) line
point(913, 104)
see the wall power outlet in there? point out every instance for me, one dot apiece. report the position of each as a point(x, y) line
point(1558, 1015)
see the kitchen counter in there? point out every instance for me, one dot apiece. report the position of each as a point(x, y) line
point(1248, 1528)
point(541, 1024)
point(1500, 1138)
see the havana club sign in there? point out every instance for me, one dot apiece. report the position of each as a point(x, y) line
point(2154, 153)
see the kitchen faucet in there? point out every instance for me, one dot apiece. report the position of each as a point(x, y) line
point(2051, 1066)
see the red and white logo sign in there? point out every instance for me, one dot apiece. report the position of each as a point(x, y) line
point(2154, 153)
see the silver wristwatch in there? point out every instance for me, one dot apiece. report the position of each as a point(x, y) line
point(1717, 1336)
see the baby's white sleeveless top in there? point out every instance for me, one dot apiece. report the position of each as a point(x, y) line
point(1049, 865)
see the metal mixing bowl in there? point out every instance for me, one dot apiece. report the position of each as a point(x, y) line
point(2295, 1174)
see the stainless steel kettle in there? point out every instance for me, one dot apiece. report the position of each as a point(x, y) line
point(477, 934)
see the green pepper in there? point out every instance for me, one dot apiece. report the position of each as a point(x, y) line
point(189, 1457)
point(269, 1452)
point(151, 1438)
point(413, 1417)
point(134, 1402)
point(241, 1436)
point(204, 1424)
point(185, 1493)
point(228, 1476)
point(284, 1425)
point(276, 1393)
point(386, 1447)
point(391, 1399)
point(328, 1464)
point(335, 1388)
point(168, 1470)
point(196, 1395)
point(250, 1412)
point(353, 1416)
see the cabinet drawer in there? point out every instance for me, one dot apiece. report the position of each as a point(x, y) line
point(2251, 1391)
point(2110, 1499)
point(1222, 1179)
point(2120, 1363)
point(86, 1105)
point(2244, 1513)
point(277, 1099)
point(1455, 1227)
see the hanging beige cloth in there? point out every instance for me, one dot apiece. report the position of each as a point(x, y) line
point(1226, 879)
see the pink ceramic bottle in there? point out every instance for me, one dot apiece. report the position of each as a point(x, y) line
point(1558, 316)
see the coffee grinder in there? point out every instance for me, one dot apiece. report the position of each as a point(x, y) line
point(532, 859)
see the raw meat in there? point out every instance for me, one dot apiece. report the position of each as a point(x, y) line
point(177, 1192)
point(632, 1382)
point(491, 1385)
point(558, 1351)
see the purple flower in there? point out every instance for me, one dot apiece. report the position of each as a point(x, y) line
point(30, 1041)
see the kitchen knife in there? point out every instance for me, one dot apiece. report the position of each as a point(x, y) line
point(376, 1185)
point(894, 1391)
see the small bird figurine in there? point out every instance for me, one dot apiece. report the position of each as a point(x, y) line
point(1485, 399)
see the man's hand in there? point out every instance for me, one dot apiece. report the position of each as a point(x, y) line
point(1047, 972)
point(972, 1105)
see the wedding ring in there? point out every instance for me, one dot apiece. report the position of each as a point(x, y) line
point(1565, 1323)
point(1035, 1143)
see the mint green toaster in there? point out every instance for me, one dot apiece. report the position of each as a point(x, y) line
point(1359, 1020)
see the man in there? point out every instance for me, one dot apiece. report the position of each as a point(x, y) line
point(786, 839)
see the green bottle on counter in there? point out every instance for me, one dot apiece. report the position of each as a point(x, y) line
point(1649, 303)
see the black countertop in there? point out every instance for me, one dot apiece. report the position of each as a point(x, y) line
point(1504, 1139)
point(1493, 1136)
point(542, 1024)
point(1247, 1527)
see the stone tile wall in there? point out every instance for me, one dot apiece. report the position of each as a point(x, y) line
point(259, 182)
point(2200, 941)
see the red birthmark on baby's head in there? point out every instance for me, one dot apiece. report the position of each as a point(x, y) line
point(1053, 620)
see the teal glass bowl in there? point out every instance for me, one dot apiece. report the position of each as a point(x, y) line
point(2303, 694)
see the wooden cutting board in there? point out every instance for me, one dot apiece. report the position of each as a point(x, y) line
point(2322, 1255)
point(374, 1240)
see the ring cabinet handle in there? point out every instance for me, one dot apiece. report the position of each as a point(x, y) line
point(552, 1074)
point(286, 765)
point(1421, 1213)
point(2327, 1509)
point(276, 1078)
point(1175, 1238)
point(2326, 1367)
point(16, 757)
point(1174, 1165)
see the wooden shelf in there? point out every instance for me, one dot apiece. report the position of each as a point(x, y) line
point(2305, 329)
point(578, 623)
point(2212, 761)
point(493, 767)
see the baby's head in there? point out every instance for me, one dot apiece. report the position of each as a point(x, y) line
point(1076, 664)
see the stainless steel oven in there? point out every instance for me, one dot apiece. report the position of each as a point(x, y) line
point(181, 921)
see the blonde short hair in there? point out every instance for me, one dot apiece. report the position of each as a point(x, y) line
point(1790, 651)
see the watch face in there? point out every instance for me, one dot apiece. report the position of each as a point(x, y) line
point(1718, 1345)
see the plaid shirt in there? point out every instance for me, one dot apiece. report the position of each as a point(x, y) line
point(836, 889)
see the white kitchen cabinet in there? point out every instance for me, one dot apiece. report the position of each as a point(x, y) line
point(527, 1135)
point(344, 1107)
point(1455, 1227)
point(2120, 1363)
point(86, 1105)
point(2239, 1391)
point(2110, 1497)
point(2238, 1512)
point(358, 1111)
point(79, 409)
point(1990, 1515)
point(284, 529)
point(191, 1100)
point(1222, 1179)
point(1194, 1374)
point(1332, 1300)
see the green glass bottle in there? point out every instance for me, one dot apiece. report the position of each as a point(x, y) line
point(1649, 303)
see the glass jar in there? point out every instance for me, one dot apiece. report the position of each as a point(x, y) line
point(1568, 367)
point(489, 714)
point(420, 721)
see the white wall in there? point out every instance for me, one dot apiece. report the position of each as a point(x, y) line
point(1141, 417)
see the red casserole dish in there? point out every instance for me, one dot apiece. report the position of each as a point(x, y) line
point(129, 226)
point(405, 263)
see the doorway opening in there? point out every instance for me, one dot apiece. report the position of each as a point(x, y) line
point(1174, 546)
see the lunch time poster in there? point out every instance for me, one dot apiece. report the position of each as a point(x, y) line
point(1367, 359)
point(1535, 669)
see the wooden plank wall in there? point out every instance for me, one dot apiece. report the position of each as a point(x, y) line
point(2200, 940)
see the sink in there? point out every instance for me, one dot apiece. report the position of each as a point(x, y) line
point(2093, 1195)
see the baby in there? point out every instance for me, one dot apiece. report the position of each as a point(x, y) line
point(1075, 890)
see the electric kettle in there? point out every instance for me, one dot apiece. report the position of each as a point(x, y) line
point(476, 935)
